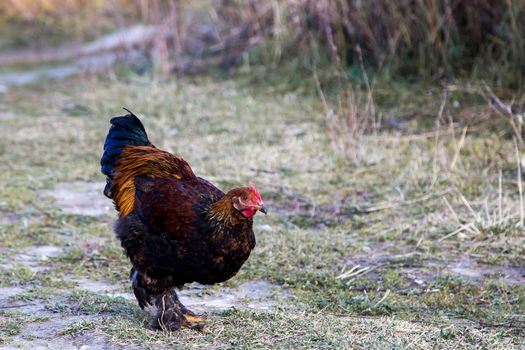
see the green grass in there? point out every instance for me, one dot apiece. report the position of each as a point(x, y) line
point(391, 214)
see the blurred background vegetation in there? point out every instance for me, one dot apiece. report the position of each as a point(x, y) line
point(408, 39)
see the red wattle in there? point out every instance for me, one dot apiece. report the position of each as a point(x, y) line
point(248, 212)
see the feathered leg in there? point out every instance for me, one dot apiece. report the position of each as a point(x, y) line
point(140, 289)
point(172, 315)
point(169, 314)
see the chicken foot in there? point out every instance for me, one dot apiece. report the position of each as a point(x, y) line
point(172, 315)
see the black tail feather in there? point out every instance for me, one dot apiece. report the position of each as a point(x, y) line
point(124, 131)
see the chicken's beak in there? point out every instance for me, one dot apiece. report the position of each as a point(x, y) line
point(263, 209)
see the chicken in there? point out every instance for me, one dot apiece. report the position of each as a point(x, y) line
point(174, 226)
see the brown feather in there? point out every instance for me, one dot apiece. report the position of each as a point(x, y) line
point(144, 161)
point(223, 210)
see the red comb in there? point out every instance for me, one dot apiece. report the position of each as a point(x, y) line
point(255, 193)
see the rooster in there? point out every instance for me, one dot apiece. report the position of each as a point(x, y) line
point(174, 226)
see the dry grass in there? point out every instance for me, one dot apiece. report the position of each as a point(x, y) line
point(406, 248)
point(419, 38)
point(435, 38)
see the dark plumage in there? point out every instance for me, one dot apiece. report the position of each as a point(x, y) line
point(175, 227)
point(124, 131)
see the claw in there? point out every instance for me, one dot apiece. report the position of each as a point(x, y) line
point(197, 327)
point(195, 318)
point(194, 322)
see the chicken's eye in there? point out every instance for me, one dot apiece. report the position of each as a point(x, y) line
point(244, 197)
